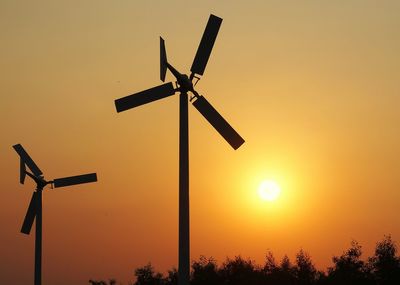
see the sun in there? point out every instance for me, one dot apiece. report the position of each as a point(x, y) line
point(269, 190)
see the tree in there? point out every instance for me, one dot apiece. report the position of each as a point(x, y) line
point(172, 277)
point(111, 282)
point(273, 274)
point(270, 265)
point(349, 269)
point(238, 271)
point(93, 282)
point(146, 276)
point(205, 271)
point(305, 272)
point(286, 273)
point(385, 265)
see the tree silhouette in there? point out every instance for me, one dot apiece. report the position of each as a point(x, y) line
point(286, 272)
point(385, 265)
point(271, 271)
point(383, 268)
point(205, 271)
point(146, 276)
point(349, 268)
point(238, 271)
point(172, 278)
point(111, 282)
point(304, 270)
point(270, 266)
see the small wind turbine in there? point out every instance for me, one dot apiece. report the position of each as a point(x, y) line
point(184, 84)
point(35, 206)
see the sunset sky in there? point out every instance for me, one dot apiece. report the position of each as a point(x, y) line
point(312, 86)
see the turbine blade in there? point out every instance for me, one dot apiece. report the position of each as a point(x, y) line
point(144, 97)
point(30, 215)
point(22, 171)
point(163, 60)
point(218, 122)
point(27, 160)
point(206, 45)
point(73, 180)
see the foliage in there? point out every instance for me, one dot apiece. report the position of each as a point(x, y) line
point(385, 265)
point(146, 276)
point(383, 268)
point(349, 268)
point(205, 271)
point(304, 271)
point(111, 282)
point(238, 271)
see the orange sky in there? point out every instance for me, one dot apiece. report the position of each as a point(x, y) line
point(312, 86)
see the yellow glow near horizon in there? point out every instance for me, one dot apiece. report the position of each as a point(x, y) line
point(269, 190)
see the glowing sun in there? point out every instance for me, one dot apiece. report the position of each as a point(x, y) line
point(269, 190)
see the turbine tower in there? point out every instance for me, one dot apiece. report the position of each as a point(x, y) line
point(184, 85)
point(35, 206)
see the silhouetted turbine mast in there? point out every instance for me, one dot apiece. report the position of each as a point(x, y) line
point(184, 85)
point(35, 206)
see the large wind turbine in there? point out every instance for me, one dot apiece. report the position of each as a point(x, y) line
point(184, 85)
point(35, 206)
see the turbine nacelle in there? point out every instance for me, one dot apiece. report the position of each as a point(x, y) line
point(184, 84)
point(39, 180)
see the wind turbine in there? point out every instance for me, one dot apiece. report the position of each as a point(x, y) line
point(35, 206)
point(184, 84)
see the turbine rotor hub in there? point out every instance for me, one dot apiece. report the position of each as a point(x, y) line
point(185, 84)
